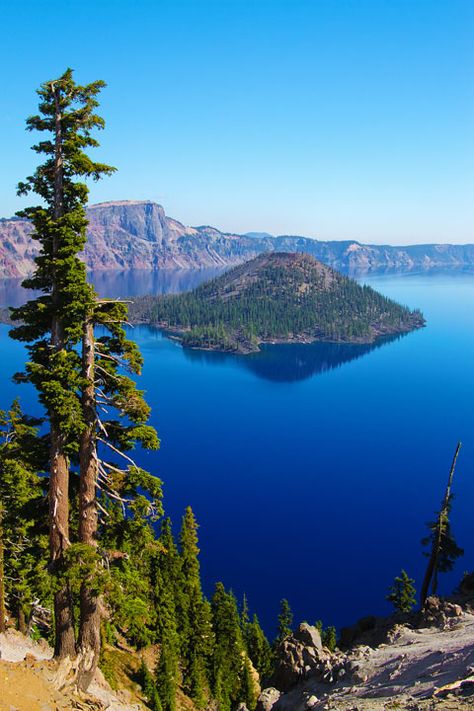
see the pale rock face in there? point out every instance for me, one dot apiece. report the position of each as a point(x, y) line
point(309, 636)
point(302, 655)
point(136, 234)
point(267, 699)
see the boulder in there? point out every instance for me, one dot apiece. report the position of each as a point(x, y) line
point(309, 636)
point(301, 655)
point(436, 612)
point(267, 699)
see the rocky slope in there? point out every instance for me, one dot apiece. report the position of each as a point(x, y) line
point(416, 662)
point(138, 235)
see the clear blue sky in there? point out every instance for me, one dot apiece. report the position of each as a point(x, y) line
point(331, 118)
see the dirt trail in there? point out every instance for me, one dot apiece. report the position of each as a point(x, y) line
point(27, 681)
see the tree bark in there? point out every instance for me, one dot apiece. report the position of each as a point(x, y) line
point(21, 619)
point(89, 627)
point(59, 474)
point(3, 612)
point(431, 574)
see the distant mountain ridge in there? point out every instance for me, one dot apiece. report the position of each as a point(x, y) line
point(129, 234)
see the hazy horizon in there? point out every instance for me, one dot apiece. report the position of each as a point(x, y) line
point(348, 120)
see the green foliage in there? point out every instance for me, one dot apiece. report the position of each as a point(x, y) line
point(329, 638)
point(328, 635)
point(448, 551)
point(131, 539)
point(259, 649)
point(228, 653)
point(285, 620)
point(248, 690)
point(23, 513)
point(198, 649)
point(57, 315)
point(147, 683)
point(167, 675)
point(257, 645)
point(402, 593)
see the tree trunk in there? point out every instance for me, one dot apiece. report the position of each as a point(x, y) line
point(3, 612)
point(21, 619)
point(431, 574)
point(59, 474)
point(89, 627)
point(58, 542)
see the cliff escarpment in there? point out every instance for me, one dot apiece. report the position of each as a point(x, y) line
point(128, 234)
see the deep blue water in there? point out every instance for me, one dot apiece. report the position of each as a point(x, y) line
point(313, 469)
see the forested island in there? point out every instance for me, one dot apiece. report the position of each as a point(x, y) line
point(276, 297)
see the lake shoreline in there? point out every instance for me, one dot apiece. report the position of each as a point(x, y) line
point(177, 334)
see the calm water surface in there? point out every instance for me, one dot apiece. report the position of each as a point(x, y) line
point(312, 469)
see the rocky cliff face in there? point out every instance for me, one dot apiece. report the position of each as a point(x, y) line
point(138, 235)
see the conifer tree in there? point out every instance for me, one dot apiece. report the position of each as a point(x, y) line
point(188, 540)
point(194, 615)
point(228, 656)
point(285, 620)
point(167, 679)
point(244, 615)
point(53, 323)
point(148, 685)
point(402, 593)
point(105, 440)
point(166, 566)
point(73, 389)
point(166, 592)
point(329, 638)
point(443, 548)
point(23, 535)
point(190, 576)
point(258, 648)
point(248, 690)
point(200, 645)
point(128, 537)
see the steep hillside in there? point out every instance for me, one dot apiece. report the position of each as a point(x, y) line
point(276, 297)
point(138, 235)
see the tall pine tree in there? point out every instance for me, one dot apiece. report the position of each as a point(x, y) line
point(53, 323)
point(74, 387)
point(228, 656)
point(285, 620)
point(195, 616)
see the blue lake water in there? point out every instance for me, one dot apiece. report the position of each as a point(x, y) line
point(312, 469)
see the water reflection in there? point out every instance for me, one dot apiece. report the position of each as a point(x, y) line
point(114, 284)
point(138, 282)
point(288, 363)
point(278, 363)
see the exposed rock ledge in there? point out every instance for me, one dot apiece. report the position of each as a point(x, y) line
point(423, 664)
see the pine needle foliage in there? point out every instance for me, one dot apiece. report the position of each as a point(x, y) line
point(24, 582)
point(402, 593)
